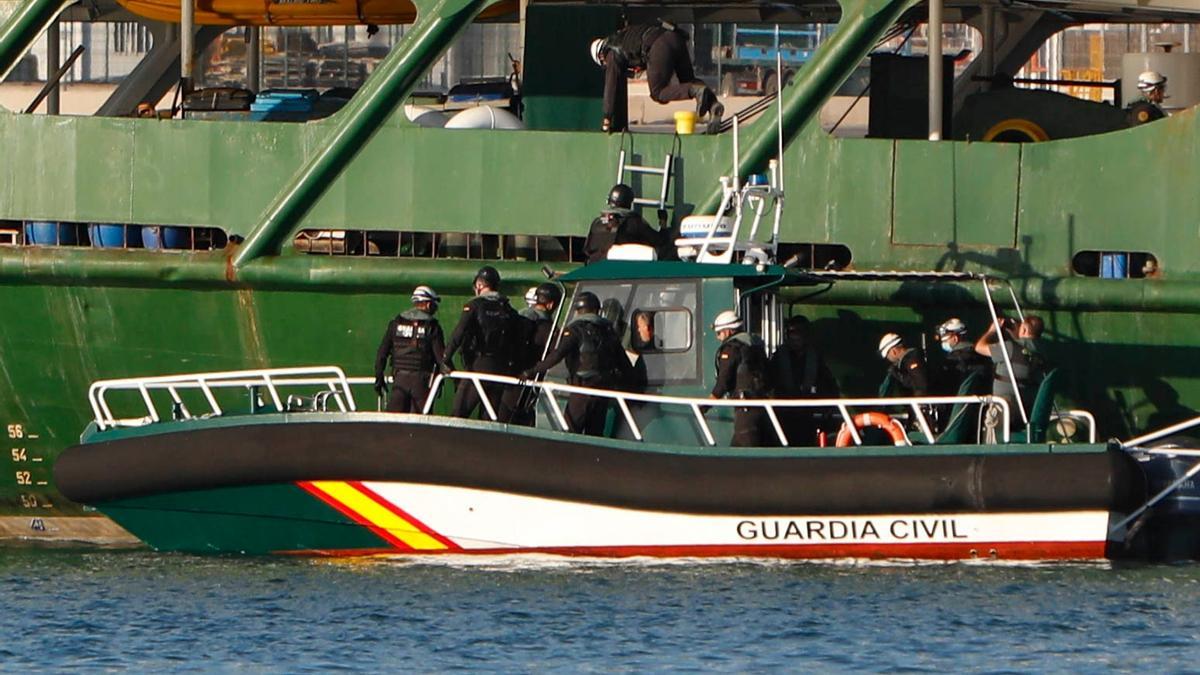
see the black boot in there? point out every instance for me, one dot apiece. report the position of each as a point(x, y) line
point(705, 98)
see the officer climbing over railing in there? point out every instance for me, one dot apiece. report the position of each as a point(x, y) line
point(489, 336)
point(415, 343)
point(594, 359)
point(741, 373)
point(659, 49)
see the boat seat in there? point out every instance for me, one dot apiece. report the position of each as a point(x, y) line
point(960, 427)
point(1039, 413)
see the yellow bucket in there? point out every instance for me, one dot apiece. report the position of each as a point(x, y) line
point(685, 122)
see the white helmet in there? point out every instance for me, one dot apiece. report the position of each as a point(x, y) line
point(951, 325)
point(425, 294)
point(1150, 79)
point(531, 296)
point(727, 320)
point(887, 342)
point(597, 49)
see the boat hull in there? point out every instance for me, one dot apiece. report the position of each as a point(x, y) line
point(411, 485)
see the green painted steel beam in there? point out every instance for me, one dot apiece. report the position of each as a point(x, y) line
point(23, 27)
point(862, 24)
point(438, 23)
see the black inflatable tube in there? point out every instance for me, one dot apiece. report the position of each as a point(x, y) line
point(555, 467)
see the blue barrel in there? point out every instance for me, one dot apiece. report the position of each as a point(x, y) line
point(111, 235)
point(163, 236)
point(46, 233)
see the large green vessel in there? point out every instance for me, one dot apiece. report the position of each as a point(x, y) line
point(329, 224)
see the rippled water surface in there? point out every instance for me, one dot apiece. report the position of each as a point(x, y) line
point(114, 610)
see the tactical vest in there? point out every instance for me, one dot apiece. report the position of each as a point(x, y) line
point(751, 378)
point(497, 327)
point(593, 353)
point(412, 342)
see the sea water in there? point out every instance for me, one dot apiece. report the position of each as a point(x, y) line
point(115, 610)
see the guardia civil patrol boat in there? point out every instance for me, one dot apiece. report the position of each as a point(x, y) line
point(302, 469)
point(140, 246)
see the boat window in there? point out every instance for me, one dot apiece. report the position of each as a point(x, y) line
point(114, 236)
point(668, 346)
point(105, 53)
point(1115, 264)
point(457, 245)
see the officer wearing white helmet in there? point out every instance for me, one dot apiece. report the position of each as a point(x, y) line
point(660, 50)
point(1153, 86)
point(741, 373)
point(536, 322)
point(907, 374)
point(415, 344)
point(961, 360)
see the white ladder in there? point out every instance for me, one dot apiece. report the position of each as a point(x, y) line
point(665, 173)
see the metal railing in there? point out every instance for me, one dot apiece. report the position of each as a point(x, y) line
point(551, 390)
point(330, 380)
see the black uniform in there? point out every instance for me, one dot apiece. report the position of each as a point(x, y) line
point(489, 335)
point(415, 344)
point(800, 373)
point(535, 327)
point(594, 359)
point(622, 226)
point(1142, 111)
point(909, 377)
point(655, 49)
point(741, 373)
point(960, 363)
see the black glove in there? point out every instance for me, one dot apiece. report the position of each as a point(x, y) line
point(529, 374)
point(446, 368)
point(380, 385)
point(606, 126)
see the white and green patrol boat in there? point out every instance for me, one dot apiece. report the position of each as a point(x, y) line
point(306, 471)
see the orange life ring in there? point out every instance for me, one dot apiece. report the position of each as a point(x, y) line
point(871, 419)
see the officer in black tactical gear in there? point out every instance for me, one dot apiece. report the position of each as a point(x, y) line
point(799, 371)
point(741, 373)
point(415, 344)
point(594, 359)
point(659, 49)
point(907, 374)
point(489, 336)
point(536, 323)
point(961, 360)
point(619, 224)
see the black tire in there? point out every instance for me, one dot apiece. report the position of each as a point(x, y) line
point(770, 84)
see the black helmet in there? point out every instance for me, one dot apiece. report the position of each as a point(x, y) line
point(621, 196)
point(587, 303)
point(547, 293)
point(489, 276)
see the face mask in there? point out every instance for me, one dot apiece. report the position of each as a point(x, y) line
point(946, 347)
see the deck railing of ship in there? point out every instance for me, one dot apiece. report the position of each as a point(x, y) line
point(550, 391)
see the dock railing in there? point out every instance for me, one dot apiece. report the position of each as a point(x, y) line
point(550, 391)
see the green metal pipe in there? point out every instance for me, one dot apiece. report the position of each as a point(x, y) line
point(23, 27)
point(437, 24)
point(340, 274)
point(861, 26)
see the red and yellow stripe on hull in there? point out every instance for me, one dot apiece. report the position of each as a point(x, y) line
point(455, 520)
point(365, 507)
